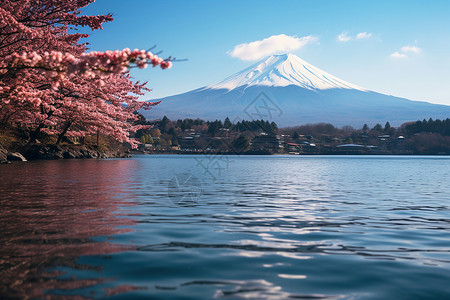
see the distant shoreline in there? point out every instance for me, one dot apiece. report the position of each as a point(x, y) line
point(286, 154)
point(219, 154)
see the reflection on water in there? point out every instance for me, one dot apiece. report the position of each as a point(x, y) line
point(50, 214)
point(279, 227)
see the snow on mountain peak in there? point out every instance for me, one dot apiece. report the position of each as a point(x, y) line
point(284, 70)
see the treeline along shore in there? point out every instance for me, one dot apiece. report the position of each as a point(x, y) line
point(190, 136)
point(196, 136)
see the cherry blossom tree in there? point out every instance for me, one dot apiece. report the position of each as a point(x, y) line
point(49, 83)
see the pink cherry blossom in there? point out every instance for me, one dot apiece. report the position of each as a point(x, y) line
point(49, 83)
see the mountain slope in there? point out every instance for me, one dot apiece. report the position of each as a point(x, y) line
point(290, 91)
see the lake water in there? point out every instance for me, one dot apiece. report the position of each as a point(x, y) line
point(250, 227)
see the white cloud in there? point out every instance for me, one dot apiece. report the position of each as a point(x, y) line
point(404, 51)
point(276, 44)
point(344, 37)
point(363, 35)
point(412, 49)
point(397, 54)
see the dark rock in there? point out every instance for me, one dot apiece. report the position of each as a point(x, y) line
point(78, 154)
point(3, 155)
point(15, 156)
point(84, 152)
point(43, 151)
point(34, 152)
point(69, 155)
point(104, 155)
point(58, 155)
point(39, 151)
point(88, 153)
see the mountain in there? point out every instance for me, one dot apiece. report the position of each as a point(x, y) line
point(290, 91)
point(284, 70)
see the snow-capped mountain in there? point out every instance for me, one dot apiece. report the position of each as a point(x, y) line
point(284, 70)
point(289, 91)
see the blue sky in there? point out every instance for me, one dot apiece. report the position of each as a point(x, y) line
point(397, 47)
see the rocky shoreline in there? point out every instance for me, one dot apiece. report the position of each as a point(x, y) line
point(51, 152)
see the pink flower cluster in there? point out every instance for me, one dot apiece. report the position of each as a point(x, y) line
point(119, 61)
point(57, 65)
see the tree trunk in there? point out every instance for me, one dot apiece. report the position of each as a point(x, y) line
point(61, 135)
point(35, 133)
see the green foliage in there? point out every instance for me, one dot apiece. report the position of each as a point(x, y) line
point(256, 126)
point(312, 130)
point(227, 123)
point(214, 127)
point(146, 139)
point(163, 123)
point(171, 131)
point(188, 123)
point(378, 128)
point(438, 126)
point(365, 128)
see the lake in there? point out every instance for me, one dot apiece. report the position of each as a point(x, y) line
point(214, 226)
